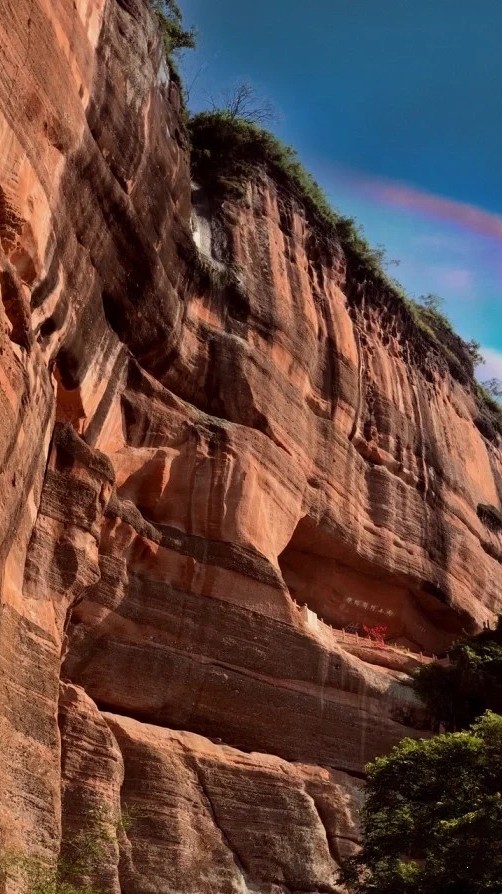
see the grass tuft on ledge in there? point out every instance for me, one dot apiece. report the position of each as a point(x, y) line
point(226, 153)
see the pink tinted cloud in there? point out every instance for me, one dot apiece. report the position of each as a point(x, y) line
point(467, 216)
point(457, 278)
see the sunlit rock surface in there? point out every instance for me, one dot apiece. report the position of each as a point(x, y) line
point(187, 460)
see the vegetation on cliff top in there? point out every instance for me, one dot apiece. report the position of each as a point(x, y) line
point(227, 152)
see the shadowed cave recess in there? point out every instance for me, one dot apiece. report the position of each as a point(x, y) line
point(347, 592)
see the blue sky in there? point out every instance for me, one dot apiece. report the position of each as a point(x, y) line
point(395, 106)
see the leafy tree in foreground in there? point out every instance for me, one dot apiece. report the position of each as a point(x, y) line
point(432, 822)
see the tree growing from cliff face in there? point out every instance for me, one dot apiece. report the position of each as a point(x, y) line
point(432, 821)
point(474, 349)
point(459, 693)
point(174, 34)
point(432, 302)
point(494, 387)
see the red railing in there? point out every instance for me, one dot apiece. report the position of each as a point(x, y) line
point(371, 636)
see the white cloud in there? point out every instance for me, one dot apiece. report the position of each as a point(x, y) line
point(492, 367)
point(459, 278)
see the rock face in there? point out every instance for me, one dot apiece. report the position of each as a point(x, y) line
point(187, 458)
point(202, 816)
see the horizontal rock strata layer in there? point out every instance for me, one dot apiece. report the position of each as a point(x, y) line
point(201, 817)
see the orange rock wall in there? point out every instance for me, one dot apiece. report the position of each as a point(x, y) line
point(184, 458)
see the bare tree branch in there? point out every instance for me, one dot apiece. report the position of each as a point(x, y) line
point(243, 101)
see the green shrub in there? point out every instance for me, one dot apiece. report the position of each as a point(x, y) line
point(471, 684)
point(494, 388)
point(174, 35)
point(432, 821)
point(489, 405)
point(81, 857)
point(35, 877)
point(457, 352)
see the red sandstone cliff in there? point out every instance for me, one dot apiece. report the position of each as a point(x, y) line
point(182, 462)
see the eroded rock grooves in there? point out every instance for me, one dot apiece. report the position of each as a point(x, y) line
point(183, 461)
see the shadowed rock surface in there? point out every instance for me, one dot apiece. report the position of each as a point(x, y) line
point(208, 418)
